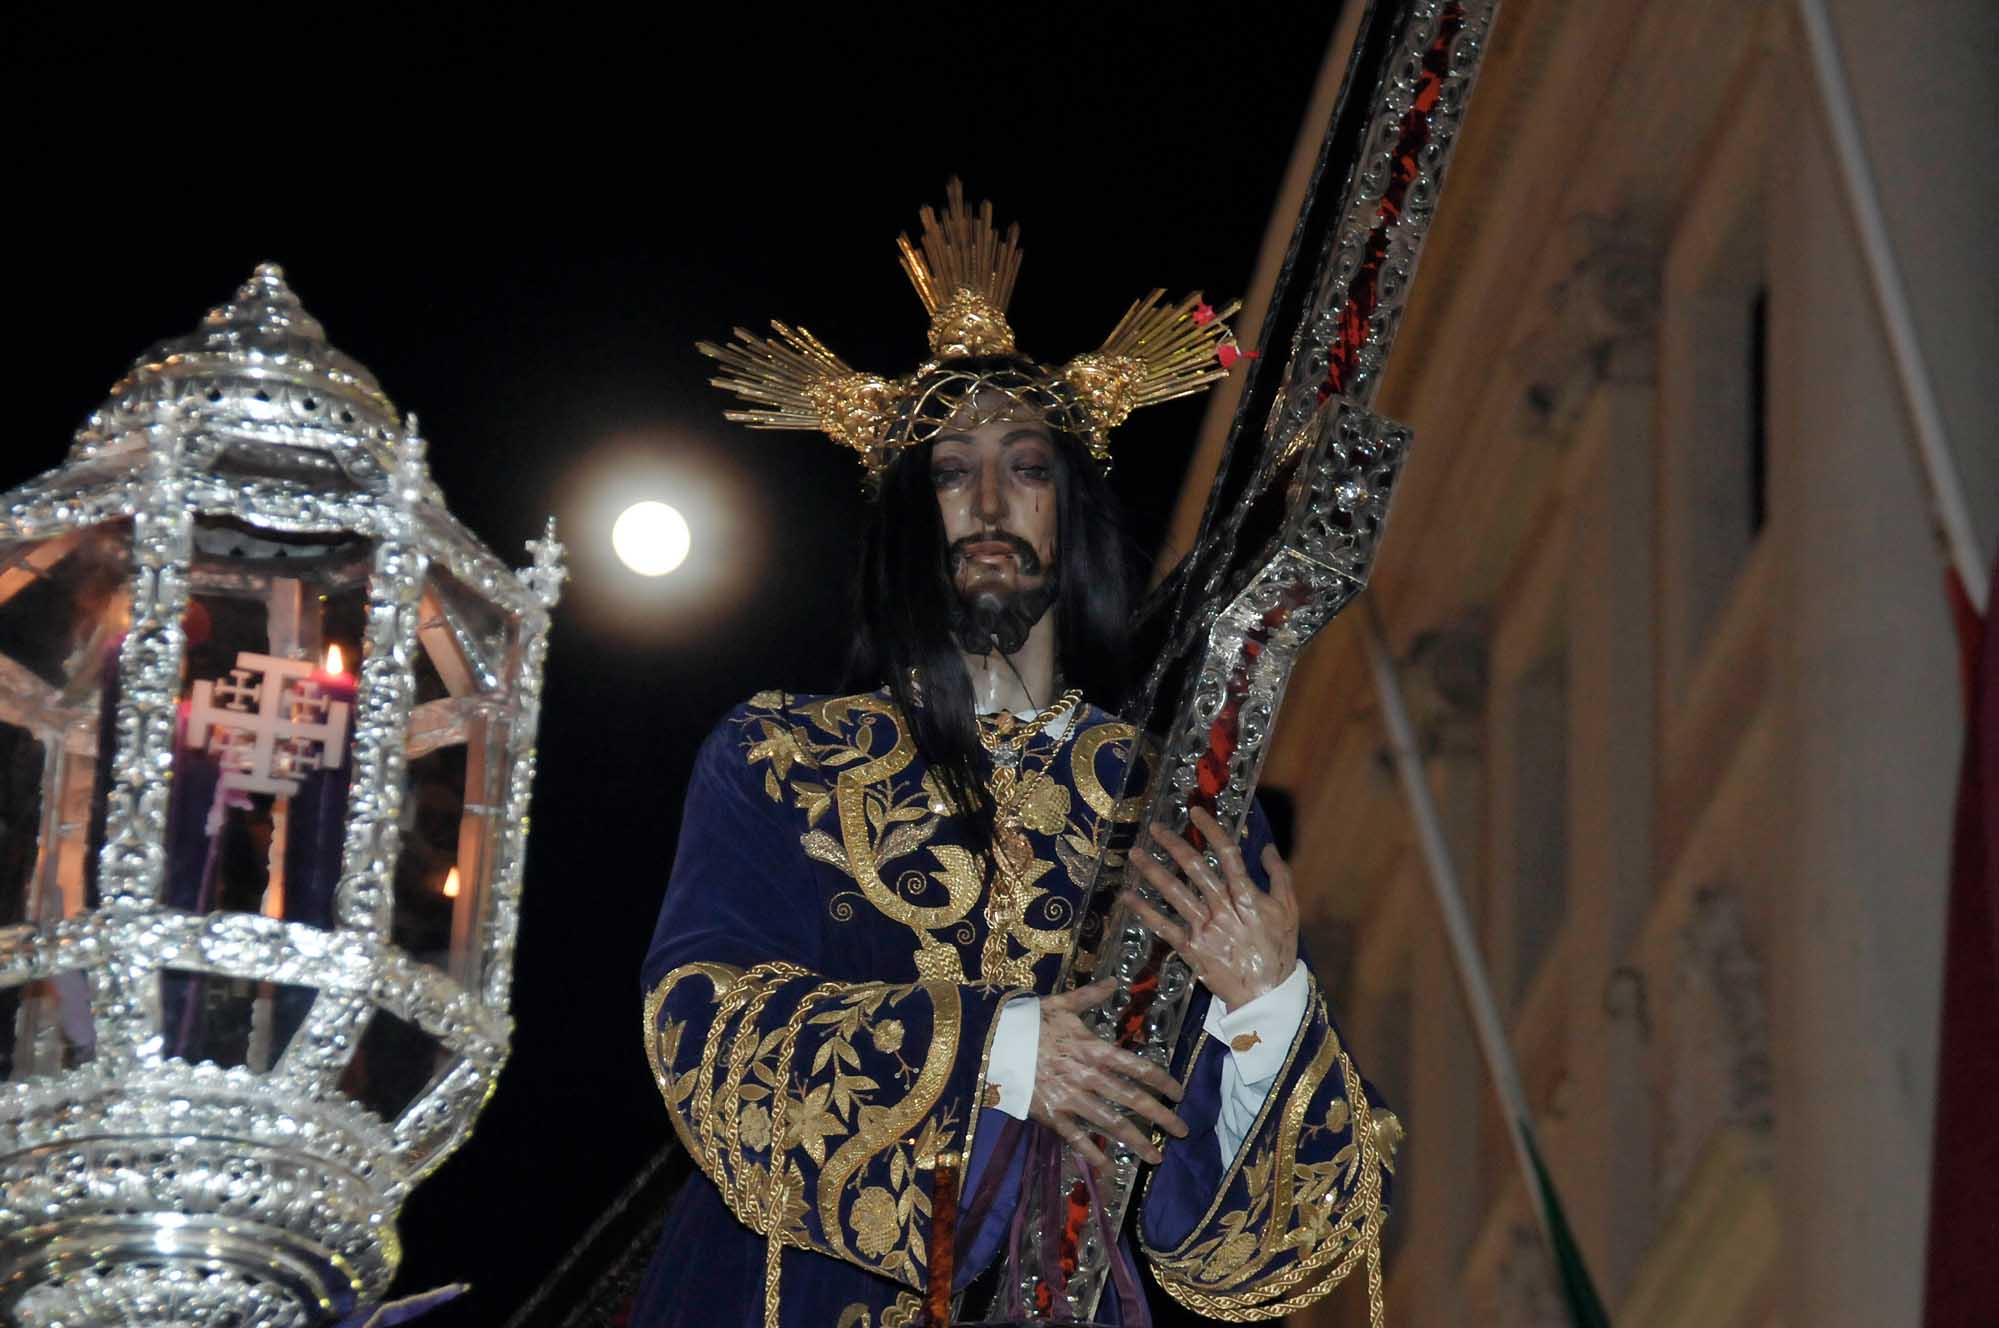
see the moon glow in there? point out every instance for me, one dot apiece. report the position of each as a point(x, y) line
point(651, 538)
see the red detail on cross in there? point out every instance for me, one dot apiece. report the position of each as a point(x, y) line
point(1364, 291)
point(1077, 1212)
point(1211, 771)
point(1142, 992)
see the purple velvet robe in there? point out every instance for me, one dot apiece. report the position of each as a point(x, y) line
point(827, 973)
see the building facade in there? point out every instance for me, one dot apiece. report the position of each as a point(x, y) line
point(1662, 582)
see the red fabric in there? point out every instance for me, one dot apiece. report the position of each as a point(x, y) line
point(1964, 616)
point(1962, 1274)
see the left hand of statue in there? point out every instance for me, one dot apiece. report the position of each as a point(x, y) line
point(1240, 941)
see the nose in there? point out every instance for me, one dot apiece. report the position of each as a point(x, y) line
point(988, 504)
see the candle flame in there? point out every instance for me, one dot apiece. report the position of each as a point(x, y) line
point(451, 884)
point(335, 661)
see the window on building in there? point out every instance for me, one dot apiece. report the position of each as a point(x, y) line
point(1714, 396)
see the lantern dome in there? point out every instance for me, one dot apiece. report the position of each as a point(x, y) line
point(259, 392)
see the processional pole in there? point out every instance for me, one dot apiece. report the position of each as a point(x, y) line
point(1578, 1291)
point(1286, 541)
point(1933, 451)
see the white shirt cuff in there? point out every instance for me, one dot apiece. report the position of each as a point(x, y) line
point(1010, 1066)
point(1259, 1034)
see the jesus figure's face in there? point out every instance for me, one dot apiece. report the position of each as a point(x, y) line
point(995, 485)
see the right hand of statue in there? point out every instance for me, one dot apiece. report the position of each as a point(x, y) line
point(1080, 1081)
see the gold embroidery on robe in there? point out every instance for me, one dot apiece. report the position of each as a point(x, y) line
point(905, 1312)
point(856, 1113)
point(1292, 1229)
point(849, 754)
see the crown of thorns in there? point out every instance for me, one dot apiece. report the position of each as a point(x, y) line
point(964, 273)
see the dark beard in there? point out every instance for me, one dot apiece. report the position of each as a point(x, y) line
point(989, 618)
point(992, 619)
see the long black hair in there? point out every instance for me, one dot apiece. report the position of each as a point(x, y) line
point(905, 595)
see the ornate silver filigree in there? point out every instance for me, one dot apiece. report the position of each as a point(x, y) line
point(1387, 239)
point(136, 1187)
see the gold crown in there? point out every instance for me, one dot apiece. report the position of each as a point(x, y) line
point(964, 273)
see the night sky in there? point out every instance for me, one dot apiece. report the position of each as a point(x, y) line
point(527, 266)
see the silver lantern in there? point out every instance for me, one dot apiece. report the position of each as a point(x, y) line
point(267, 722)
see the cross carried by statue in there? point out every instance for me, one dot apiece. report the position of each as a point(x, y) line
point(1286, 542)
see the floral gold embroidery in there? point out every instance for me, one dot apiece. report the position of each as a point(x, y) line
point(754, 1128)
point(850, 755)
point(780, 749)
point(886, 1129)
point(794, 1121)
point(876, 1230)
point(1045, 808)
point(1387, 1137)
point(905, 1312)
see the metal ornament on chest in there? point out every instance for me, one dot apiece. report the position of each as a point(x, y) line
point(267, 736)
point(1012, 788)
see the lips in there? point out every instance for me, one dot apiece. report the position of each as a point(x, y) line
point(992, 547)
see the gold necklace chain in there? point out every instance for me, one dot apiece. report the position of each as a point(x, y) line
point(1010, 786)
point(1008, 732)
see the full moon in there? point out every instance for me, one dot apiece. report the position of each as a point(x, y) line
point(651, 538)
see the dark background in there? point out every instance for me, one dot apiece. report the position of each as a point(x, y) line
point(525, 259)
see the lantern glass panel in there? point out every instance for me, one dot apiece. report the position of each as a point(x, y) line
point(65, 602)
point(456, 775)
point(229, 1021)
point(466, 638)
point(23, 767)
point(395, 1062)
point(275, 632)
point(65, 608)
point(46, 1027)
point(430, 883)
point(428, 683)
